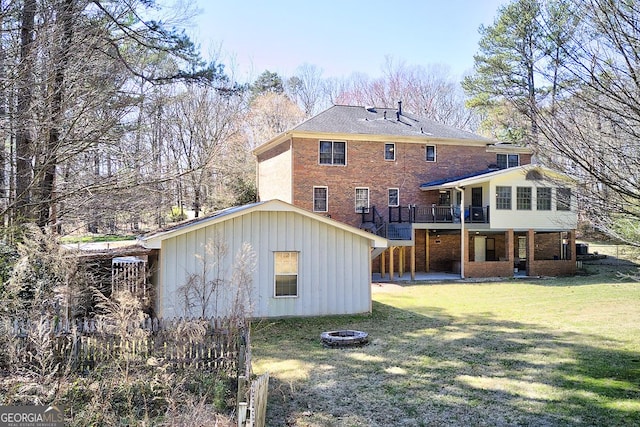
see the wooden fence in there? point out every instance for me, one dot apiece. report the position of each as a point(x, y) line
point(216, 344)
point(211, 344)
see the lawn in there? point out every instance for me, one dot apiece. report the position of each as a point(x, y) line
point(526, 352)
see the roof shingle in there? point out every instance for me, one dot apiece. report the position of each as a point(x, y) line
point(381, 121)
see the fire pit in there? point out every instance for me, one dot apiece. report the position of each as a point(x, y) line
point(344, 338)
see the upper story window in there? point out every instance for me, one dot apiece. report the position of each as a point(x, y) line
point(320, 203)
point(508, 160)
point(503, 198)
point(333, 153)
point(543, 199)
point(389, 151)
point(564, 199)
point(523, 198)
point(362, 200)
point(394, 197)
point(431, 153)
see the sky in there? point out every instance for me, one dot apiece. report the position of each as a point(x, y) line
point(340, 37)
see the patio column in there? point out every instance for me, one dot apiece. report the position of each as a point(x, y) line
point(510, 247)
point(401, 256)
point(426, 251)
point(531, 250)
point(572, 245)
point(412, 261)
point(383, 264)
point(391, 273)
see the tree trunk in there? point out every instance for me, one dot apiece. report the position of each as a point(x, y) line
point(47, 186)
point(24, 142)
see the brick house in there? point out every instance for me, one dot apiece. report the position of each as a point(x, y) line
point(446, 199)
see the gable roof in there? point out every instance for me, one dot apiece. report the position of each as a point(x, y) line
point(386, 123)
point(486, 175)
point(154, 240)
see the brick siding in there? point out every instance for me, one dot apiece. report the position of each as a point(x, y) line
point(366, 167)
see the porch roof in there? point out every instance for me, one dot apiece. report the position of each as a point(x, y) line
point(453, 181)
point(487, 175)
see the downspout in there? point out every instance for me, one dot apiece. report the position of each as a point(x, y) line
point(462, 231)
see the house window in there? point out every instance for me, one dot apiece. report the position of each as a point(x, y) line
point(523, 198)
point(390, 151)
point(394, 197)
point(503, 198)
point(320, 199)
point(333, 152)
point(544, 199)
point(362, 200)
point(508, 160)
point(564, 199)
point(431, 153)
point(286, 274)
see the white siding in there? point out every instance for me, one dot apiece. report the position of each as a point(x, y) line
point(333, 264)
point(530, 219)
point(275, 179)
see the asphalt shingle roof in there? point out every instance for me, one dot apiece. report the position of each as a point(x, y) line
point(381, 121)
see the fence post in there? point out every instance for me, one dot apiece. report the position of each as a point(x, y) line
point(241, 397)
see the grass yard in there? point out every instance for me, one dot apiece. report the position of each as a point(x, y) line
point(538, 353)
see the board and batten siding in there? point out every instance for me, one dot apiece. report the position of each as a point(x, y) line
point(334, 272)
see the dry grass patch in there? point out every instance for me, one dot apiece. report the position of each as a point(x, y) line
point(545, 353)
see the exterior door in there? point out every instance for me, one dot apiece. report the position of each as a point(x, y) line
point(480, 248)
point(476, 197)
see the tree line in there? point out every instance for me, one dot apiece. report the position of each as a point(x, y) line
point(112, 119)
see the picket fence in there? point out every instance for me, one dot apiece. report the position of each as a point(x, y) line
point(212, 344)
point(221, 345)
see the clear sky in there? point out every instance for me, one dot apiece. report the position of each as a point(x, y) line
point(341, 36)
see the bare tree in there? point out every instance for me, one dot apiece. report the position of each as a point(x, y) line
point(306, 87)
point(269, 115)
point(204, 127)
point(427, 92)
point(593, 128)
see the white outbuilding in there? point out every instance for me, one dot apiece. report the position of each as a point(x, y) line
point(269, 259)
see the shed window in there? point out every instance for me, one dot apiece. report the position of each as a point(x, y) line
point(286, 274)
point(332, 152)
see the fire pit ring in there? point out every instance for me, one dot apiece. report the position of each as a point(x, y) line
point(344, 338)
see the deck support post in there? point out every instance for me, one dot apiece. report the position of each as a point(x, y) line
point(412, 262)
point(426, 251)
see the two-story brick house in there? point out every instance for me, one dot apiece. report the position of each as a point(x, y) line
point(446, 199)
